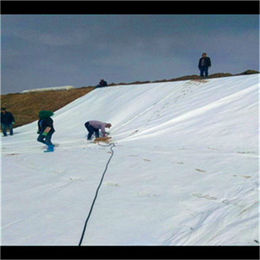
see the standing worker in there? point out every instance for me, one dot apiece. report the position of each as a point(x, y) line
point(46, 129)
point(7, 121)
point(204, 64)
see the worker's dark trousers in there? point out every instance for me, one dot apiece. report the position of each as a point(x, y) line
point(91, 130)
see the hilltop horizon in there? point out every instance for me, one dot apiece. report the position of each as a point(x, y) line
point(186, 77)
point(25, 106)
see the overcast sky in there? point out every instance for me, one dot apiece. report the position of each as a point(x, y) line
point(40, 51)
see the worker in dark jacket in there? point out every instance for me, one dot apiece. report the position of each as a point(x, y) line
point(102, 83)
point(46, 129)
point(204, 64)
point(7, 121)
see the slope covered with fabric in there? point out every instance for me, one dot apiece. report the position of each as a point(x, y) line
point(184, 170)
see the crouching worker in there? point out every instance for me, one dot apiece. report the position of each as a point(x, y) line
point(94, 126)
point(102, 83)
point(46, 129)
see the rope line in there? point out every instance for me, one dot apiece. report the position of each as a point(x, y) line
point(94, 200)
